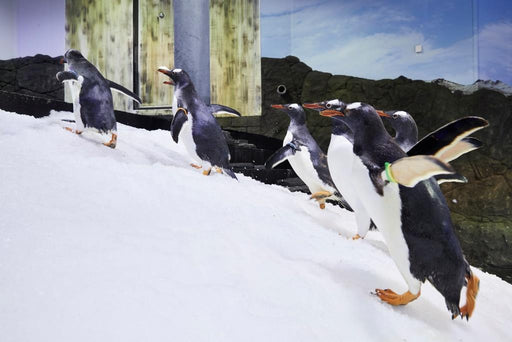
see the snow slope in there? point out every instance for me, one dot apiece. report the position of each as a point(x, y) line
point(133, 244)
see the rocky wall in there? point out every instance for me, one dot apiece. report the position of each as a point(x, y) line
point(481, 209)
point(32, 76)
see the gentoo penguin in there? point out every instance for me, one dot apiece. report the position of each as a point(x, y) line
point(406, 130)
point(92, 98)
point(339, 160)
point(410, 211)
point(406, 136)
point(217, 109)
point(306, 158)
point(194, 125)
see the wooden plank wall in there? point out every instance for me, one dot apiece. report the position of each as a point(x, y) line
point(103, 32)
point(235, 55)
point(156, 46)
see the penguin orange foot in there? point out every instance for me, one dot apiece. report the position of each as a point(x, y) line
point(72, 130)
point(473, 286)
point(219, 170)
point(392, 298)
point(320, 195)
point(207, 172)
point(112, 143)
point(357, 237)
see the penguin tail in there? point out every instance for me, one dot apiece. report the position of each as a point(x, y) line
point(230, 173)
point(472, 287)
point(343, 202)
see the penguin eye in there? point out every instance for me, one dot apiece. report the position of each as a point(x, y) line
point(395, 116)
point(328, 105)
point(290, 107)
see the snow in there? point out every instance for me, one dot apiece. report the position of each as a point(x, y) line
point(133, 244)
point(468, 89)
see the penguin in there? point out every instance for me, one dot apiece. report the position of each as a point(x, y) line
point(410, 210)
point(406, 130)
point(339, 160)
point(217, 109)
point(194, 125)
point(406, 135)
point(92, 97)
point(306, 158)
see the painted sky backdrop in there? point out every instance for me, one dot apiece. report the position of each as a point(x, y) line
point(462, 40)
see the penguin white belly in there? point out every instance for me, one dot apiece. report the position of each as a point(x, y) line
point(386, 213)
point(303, 167)
point(340, 158)
point(75, 87)
point(185, 137)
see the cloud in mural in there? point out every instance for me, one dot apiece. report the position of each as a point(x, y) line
point(496, 53)
point(376, 40)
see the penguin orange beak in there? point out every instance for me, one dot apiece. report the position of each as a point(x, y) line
point(165, 71)
point(382, 113)
point(312, 106)
point(277, 106)
point(331, 112)
point(168, 82)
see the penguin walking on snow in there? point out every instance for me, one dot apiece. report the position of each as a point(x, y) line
point(409, 209)
point(339, 158)
point(93, 106)
point(194, 125)
point(306, 158)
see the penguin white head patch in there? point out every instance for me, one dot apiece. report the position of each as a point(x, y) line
point(354, 105)
point(333, 103)
point(294, 106)
point(177, 70)
point(401, 113)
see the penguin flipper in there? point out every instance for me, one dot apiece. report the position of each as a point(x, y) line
point(457, 178)
point(282, 154)
point(409, 171)
point(444, 138)
point(119, 88)
point(177, 123)
point(463, 146)
point(63, 76)
point(218, 109)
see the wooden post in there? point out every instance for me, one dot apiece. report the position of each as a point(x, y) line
point(235, 55)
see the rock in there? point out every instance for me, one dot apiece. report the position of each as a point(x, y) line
point(37, 77)
point(32, 76)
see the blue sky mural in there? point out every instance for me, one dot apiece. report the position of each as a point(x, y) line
point(462, 40)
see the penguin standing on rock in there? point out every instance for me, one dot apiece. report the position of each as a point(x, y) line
point(306, 158)
point(92, 97)
point(409, 209)
point(194, 125)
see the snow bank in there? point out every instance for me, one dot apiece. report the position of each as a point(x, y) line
point(468, 89)
point(133, 244)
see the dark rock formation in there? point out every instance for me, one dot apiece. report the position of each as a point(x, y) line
point(32, 76)
point(482, 209)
